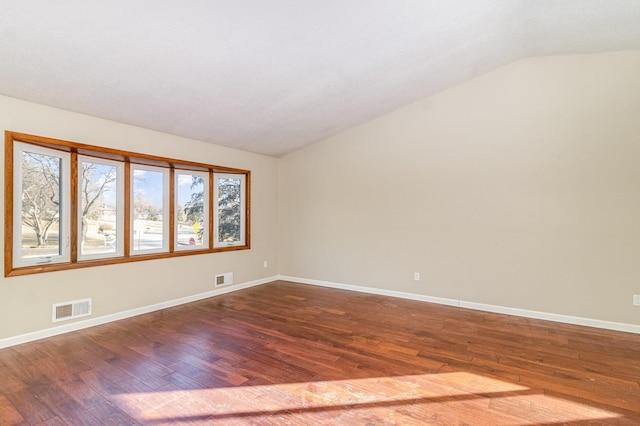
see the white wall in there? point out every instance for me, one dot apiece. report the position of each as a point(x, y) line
point(520, 188)
point(26, 302)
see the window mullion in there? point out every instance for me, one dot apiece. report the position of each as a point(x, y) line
point(172, 208)
point(212, 211)
point(8, 206)
point(127, 209)
point(73, 208)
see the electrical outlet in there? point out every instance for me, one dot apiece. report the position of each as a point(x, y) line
point(416, 276)
point(266, 264)
point(636, 299)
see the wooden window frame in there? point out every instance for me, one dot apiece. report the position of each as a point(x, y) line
point(63, 211)
point(216, 233)
point(166, 208)
point(207, 231)
point(120, 185)
point(127, 158)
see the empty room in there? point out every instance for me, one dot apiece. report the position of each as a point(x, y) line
point(332, 213)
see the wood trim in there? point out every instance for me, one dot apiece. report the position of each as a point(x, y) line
point(127, 210)
point(247, 210)
point(28, 270)
point(118, 155)
point(74, 207)
point(172, 208)
point(127, 158)
point(212, 220)
point(8, 203)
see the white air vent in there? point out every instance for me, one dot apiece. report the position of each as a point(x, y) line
point(224, 279)
point(70, 310)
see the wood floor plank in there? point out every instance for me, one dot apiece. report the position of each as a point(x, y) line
point(30, 406)
point(292, 354)
point(8, 412)
point(68, 410)
point(110, 415)
point(55, 421)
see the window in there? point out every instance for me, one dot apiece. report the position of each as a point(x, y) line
point(100, 208)
point(192, 210)
point(229, 199)
point(149, 209)
point(75, 205)
point(40, 213)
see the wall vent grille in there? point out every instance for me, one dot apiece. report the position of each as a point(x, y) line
point(70, 310)
point(224, 279)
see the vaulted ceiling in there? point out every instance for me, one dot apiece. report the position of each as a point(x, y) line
point(271, 76)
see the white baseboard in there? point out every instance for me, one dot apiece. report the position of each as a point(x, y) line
point(608, 325)
point(54, 331)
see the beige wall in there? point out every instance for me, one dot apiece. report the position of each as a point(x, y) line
point(520, 188)
point(26, 302)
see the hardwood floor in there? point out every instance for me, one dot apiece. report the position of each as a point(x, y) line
point(292, 354)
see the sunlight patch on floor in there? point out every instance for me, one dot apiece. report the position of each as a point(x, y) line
point(447, 396)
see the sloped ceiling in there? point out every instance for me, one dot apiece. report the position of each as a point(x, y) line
point(271, 76)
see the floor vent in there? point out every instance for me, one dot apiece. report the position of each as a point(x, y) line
point(224, 279)
point(70, 310)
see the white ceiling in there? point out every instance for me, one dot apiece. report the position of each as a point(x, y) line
point(273, 76)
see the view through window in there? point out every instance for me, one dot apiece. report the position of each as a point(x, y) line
point(75, 205)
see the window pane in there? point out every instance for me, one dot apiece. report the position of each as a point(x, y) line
point(99, 208)
point(40, 231)
point(230, 189)
point(148, 208)
point(191, 210)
